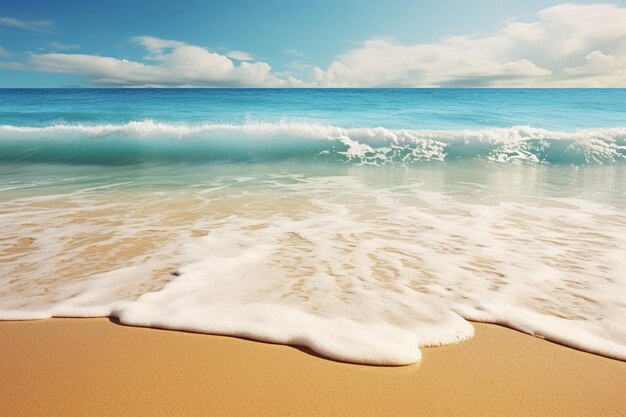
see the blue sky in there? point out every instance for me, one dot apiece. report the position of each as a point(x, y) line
point(314, 43)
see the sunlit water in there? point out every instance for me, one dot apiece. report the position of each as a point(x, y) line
point(295, 217)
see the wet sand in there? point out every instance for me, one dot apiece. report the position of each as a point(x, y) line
point(93, 367)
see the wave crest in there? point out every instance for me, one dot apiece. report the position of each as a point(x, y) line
point(148, 140)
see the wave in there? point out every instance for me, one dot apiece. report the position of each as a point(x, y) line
point(355, 273)
point(151, 141)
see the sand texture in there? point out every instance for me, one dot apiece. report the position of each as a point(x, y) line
point(93, 367)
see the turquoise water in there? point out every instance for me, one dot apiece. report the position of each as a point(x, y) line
point(363, 224)
point(379, 127)
point(442, 109)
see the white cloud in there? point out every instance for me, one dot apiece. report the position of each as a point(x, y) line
point(57, 46)
point(599, 70)
point(295, 52)
point(4, 52)
point(298, 66)
point(300, 70)
point(240, 55)
point(569, 45)
point(169, 63)
point(33, 25)
point(157, 45)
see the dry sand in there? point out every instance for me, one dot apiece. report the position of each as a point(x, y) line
point(85, 367)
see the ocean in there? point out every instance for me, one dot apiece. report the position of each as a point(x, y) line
point(360, 223)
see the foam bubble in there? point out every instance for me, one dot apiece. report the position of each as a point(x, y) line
point(149, 140)
point(367, 275)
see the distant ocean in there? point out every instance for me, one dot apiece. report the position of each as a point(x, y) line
point(361, 223)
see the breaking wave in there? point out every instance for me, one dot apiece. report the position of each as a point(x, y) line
point(151, 141)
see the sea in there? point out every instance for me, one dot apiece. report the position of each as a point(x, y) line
point(362, 224)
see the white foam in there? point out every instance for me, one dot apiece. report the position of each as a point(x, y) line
point(366, 275)
point(371, 135)
point(368, 145)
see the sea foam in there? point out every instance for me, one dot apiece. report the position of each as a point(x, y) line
point(369, 274)
point(144, 141)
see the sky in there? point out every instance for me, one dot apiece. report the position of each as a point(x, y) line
point(340, 43)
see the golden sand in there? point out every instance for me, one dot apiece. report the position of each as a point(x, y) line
point(93, 367)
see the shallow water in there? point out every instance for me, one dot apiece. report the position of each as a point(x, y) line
point(308, 233)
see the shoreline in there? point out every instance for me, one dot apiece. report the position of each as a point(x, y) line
point(70, 366)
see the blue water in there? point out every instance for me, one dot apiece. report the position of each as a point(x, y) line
point(362, 126)
point(360, 223)
point(551, 109)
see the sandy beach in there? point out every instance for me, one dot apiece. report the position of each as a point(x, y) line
point(312, 209)
point(94, 367)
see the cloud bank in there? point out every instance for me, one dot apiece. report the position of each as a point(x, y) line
point(169, 63)
point(240, 55)
point(58, 46)
point(568, 45)
point(34, 25)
